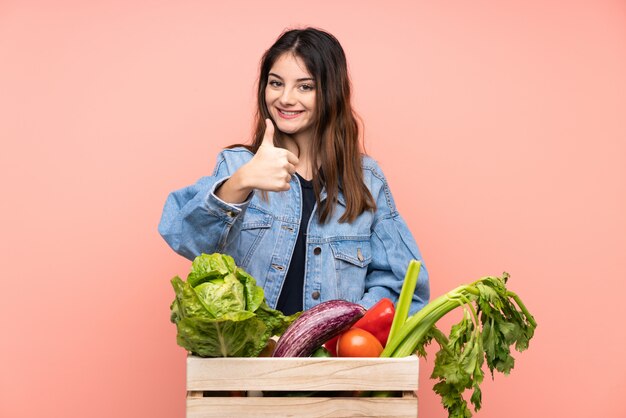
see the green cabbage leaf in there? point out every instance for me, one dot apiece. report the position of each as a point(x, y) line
point(219, 311)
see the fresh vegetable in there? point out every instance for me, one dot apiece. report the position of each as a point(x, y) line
point(377, 320)
point(406, 296)
point(494, 319)
point(321, 352)
point(268, 349)
point(221, 312)
point(317, 325)
point(331, 345)
point(357, 342)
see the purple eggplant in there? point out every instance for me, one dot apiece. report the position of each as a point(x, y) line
point(316, 326)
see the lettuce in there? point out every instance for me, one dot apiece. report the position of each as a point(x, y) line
point(221, 312)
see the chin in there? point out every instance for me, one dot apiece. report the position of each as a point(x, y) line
point(286, 129)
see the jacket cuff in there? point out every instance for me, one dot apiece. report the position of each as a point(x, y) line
point(229, 212)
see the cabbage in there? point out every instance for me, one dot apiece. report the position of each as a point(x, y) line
point(221, 312)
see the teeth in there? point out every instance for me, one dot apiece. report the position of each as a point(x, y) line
point(289, 113)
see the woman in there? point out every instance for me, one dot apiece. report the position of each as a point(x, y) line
point(301, 209)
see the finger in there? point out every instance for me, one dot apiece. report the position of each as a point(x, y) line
point(268, 136)
point(291, 169)
point(291, 157)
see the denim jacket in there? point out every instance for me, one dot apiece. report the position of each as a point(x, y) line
point(362, 261)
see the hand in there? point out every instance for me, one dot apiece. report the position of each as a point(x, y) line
point(271, 168)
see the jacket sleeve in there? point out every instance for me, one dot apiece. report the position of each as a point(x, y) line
point(393, 247)
point(195, 220)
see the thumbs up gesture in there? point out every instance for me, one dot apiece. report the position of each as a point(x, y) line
point(271, 168)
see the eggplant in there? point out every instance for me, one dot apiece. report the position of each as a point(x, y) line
point(316, 326)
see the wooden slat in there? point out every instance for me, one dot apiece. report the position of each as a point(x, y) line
point(302, 407)
point(302, 374)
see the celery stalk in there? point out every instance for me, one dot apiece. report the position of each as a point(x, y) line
point(495, 320)
point(406, 296)
point(416, 327)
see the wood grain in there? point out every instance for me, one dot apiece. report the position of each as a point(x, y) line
point(302, 374)
point(302, 407)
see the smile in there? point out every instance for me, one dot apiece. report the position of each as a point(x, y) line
point(289, 115)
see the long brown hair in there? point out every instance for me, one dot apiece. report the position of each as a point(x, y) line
point(335, 146)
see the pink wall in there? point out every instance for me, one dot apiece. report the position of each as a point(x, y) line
point(501, 128)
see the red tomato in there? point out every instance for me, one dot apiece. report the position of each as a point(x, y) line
point(356, 342)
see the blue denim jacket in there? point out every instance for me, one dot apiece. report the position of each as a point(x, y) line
point(361, 262)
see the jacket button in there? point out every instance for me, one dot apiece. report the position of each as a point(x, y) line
point(317, 250)
point(315, 295)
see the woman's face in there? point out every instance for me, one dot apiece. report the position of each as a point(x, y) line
point(290, 96)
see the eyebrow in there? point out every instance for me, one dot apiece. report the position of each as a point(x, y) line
point(300, 79)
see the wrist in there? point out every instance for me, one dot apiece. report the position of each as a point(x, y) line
point(240, 182)
point(234, 190)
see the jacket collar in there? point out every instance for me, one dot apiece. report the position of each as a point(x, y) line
point(340, 197)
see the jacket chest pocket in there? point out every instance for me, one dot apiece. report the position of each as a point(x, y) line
point(351, 253)
point(351, 261)
point(255, 225)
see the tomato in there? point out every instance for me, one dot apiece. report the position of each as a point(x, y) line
point(358, 343)
point(378, 320)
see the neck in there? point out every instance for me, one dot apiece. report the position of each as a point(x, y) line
point(299, 146)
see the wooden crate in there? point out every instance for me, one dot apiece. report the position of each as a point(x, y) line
point(210, 379)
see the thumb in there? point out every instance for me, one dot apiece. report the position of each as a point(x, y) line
point(268, 136)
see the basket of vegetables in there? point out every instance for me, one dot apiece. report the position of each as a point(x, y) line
point(336, 359)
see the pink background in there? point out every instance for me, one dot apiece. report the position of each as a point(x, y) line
point(501, 127)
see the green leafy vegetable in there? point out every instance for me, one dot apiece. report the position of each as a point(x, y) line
point(494, 319)
point(406, 296)
point(221, 312)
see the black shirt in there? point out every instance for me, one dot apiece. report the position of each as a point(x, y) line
point(290, 299)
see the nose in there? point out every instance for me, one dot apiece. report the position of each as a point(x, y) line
point(287, 98)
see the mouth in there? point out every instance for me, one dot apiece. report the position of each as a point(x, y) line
point(289, 114)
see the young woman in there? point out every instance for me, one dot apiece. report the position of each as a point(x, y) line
point(301, 208)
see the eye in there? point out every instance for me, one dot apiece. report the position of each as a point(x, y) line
point(307, 87)
point(274, 83)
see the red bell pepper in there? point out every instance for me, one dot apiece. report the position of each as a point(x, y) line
point(331, 345)
point(377, 320)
